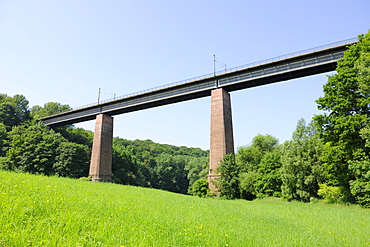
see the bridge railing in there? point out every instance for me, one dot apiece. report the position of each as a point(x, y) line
point(220, 72)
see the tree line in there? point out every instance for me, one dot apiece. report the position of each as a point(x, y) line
point(327, 158)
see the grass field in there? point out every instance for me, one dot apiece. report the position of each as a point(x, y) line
point(50, 211)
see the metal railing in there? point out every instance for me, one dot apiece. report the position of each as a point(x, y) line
point(220, 72)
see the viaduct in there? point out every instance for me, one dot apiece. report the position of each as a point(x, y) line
point(217, 85)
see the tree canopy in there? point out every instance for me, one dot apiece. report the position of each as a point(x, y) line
point(346, 109)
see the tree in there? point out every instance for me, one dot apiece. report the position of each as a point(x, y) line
point(265, 180)
point(228, 181)
point(346, 105)
point(170, 173)
point(268, 179)
point(302, 170)
point(249, 157)
point(166, 166)
point(13, 110)
point(33, 149)
point(197, 169)
point(77, 135)
point(48, 109)
point(200, 188)
point(72, 160)
point(3, 139)
point(360, 185)
point(259, 166)
point(126, 168)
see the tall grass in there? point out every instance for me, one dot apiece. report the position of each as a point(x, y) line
point(50, 211)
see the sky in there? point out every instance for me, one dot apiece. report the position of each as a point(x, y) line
point(64, 51)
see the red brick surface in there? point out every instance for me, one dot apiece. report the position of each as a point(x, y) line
point(101, 156)
point(222, 140)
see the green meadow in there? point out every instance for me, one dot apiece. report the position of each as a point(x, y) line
point(51, 211)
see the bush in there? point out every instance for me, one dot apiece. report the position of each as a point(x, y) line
point(200, 188)
point(331, 194)
point(4, 163)
point(360, 186)
point(85, 178)
point(228, 182)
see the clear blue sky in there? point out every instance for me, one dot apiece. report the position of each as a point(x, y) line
point(64, 51)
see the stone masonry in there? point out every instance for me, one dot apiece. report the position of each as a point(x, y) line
point(101, 156)
point(222, 140)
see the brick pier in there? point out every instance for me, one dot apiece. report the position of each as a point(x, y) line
point(222, 140)
point(101, 156)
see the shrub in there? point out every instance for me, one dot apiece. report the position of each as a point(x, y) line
point(331, 194)
point(200, 188)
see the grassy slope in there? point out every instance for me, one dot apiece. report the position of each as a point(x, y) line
point(49, 211)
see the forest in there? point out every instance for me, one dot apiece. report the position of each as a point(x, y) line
point(327, 158)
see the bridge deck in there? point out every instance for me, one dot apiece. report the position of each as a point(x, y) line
point(306, 64)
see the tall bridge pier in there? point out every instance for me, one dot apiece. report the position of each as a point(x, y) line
point(101, 155)
point(222, 139)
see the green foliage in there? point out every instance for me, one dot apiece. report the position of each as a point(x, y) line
point(331, 194)
point(170, 173)
point(77, 135)
point(346, 104)
point(260, 168)
point(360, 186)
point(265, 181)
point(3, 139)
point(268, 181)
point(13, 110)
point(33, 149)
point(87, 179)
point(162, 166)
point(302, 170)
point(228, 181)
point(4, 163)
point(363, 64)
point(248, 185)
point(200, 188)
point(249, 157)
point(72, 160)
point(48, 109)
point(197, 169)
point(141, 149)
point(126, 168)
